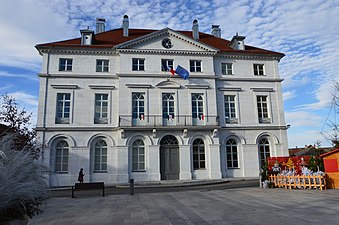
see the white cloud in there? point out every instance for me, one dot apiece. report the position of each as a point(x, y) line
point(25, 99)
point(288, 95)
point(302, 119)
point(16, 75)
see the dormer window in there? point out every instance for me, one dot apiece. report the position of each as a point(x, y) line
point(87, 37)
point(237, 42)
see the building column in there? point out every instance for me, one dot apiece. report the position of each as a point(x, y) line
point(250, 160)
point(153, 168)
point(185, 162)
point(123, 162)
point(214, 163)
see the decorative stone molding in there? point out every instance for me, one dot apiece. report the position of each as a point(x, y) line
point(64, 86)
point(262, 89)
point(229, 89)
point(102, 87)
point(197, 86)
point(168, 85)
point(138, 85)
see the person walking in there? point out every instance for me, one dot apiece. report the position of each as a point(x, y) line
point(81, 176)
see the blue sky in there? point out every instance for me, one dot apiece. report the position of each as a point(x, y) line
point(305, 30)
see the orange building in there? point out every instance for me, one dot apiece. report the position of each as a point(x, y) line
point(331, 162)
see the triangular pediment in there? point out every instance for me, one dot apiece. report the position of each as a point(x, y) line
point(155, 41)
point(168, 84)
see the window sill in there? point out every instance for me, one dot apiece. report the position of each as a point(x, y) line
point(103, 171)
point(61, 172)
point(138, 171)
point(233, 168)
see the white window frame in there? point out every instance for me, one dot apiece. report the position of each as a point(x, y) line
point(197, 102)
point(138, 156)
point(61, 163)
point(168, 105)
point(102, 65)
point(195, 66)
point(62, 116)
point(232, 153)
point(198, 150)
point(65, 64)
point(167, 63)
point(139, 63)
point(263, 108)
point(100, 156)
point(259, 69)
point(138, 109)
point(232, 118)
point(264, 150)
point(227, 68)
point(100, 105)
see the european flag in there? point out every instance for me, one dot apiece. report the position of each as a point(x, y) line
point(182, 72)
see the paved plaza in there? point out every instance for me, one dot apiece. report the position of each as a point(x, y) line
point(250, 205)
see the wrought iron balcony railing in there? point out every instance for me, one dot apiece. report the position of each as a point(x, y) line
point(160, 121)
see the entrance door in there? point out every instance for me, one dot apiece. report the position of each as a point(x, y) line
point(169, 158)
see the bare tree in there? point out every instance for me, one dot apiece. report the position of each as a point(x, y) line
point(18, 120)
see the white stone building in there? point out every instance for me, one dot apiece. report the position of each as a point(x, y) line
point(107, 105)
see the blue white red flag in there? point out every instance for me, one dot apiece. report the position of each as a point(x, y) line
point(170, 70)
point(182, 72)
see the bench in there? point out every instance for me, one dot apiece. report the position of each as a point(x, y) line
point(88, 186)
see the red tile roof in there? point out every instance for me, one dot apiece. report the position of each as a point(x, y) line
point(329, 153)
point(111, 38)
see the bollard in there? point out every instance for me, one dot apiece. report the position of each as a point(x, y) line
point(131, 186)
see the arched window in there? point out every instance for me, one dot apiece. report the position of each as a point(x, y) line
point(138, 156)
point(199, 154)
point(232, 153)
point(100, 156)
point(264, 150)
point(61, 156)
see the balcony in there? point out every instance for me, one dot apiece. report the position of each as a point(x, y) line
point(172, 121)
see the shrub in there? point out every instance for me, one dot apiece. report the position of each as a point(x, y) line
point(23, 188)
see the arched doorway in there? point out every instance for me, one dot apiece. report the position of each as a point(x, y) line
point(169, 158)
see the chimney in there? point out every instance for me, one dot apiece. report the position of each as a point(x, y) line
point(195, 29)
point(99, 25)
point(216, 31)
point(125, 26)
point(237, 42)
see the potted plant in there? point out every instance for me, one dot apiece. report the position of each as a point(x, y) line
point(23, 188)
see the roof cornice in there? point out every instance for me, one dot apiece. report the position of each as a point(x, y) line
point(77, 51)
point(156, 51)
point(248, 55)
point(165, 32)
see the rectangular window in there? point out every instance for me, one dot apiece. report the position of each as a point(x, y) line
point(63, 108)
point(197, 106)
point(258, 69)
point(230, 109)
point(227, 68)
point(165, 63)
point(138, 64)
point(65, 64)
point(138, 106)
point(262, 105)
point(168, 106)
point(102, 65)
point(101, 108)
point(195, 66)
point(232, 153)
point(138, 156)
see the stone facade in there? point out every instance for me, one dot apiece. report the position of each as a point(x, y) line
point(148, 125)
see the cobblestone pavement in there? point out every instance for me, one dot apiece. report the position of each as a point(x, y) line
point(250, 205)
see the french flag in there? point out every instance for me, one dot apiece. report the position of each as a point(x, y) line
point(171, 70)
